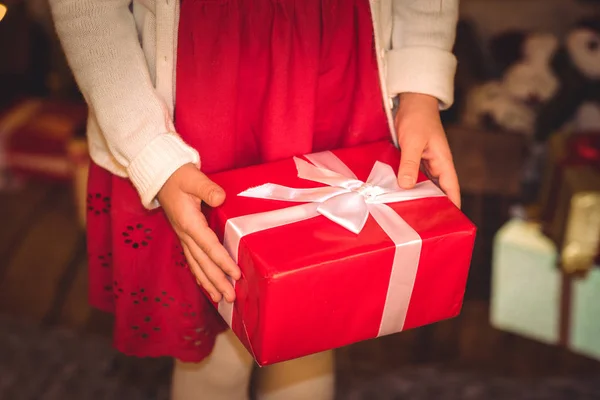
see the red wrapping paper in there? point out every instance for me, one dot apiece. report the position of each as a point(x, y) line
point(312, 285)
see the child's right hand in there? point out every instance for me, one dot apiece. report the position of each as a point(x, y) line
point(181, 197)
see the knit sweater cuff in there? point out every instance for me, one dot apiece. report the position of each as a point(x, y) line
point(150, 169)
point(422, 70)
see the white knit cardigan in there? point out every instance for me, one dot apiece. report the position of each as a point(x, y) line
point(122, 54)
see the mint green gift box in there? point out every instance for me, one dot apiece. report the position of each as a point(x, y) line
point(584, 335)
point(528, 290)
point(526, 285)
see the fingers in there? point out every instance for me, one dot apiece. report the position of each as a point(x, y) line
point(211, 257)
point(208, 259)
point(213, 273)
point(409, 164)
point(205, 189)
point(448, 181)
point(201, 277)
point(211, 262)
point(208, 242)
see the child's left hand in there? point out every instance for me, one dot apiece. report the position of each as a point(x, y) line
point(422, 139)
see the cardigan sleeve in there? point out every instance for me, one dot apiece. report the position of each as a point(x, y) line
point(101, 43)
point(421, 59)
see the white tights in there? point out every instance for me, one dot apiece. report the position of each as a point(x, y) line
point(225, 375)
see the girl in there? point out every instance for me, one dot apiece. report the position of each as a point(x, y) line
point(257, 81)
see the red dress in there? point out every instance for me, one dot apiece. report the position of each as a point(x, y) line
point(256, 81)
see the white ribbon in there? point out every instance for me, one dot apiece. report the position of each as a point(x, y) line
point(347, 201)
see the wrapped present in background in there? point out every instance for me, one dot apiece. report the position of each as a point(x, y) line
point(338, 253)
point(534, 298)
point(34, 136)
point(584, 336)
point(564, 150)
point(575, 226)
point(526, 284)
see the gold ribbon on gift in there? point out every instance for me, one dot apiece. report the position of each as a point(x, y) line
point(577, 219)
point(582, 236)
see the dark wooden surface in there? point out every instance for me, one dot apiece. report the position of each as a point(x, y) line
point(43, 277)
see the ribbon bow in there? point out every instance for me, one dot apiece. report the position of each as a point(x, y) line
point(346, 200)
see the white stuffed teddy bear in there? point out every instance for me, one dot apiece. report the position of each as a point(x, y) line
point(532, 80)
point(587, 118)
point(511, 103)
point(490, 106)
point(577, 64)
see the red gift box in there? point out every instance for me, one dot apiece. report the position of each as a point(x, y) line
point(310, 284)
point(34, 137)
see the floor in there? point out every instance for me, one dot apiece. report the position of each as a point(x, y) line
point(37, 363)
point(43, 281)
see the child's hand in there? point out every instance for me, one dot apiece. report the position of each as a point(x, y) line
point(181, 197)
point(423, 142)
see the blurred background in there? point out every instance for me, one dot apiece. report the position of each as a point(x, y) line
point(525, 133)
